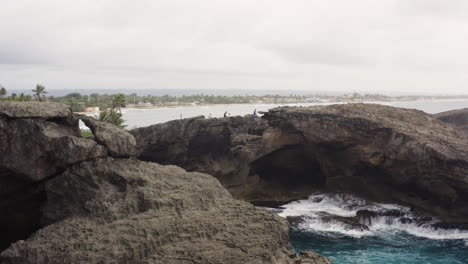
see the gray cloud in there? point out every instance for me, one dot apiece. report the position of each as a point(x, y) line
point(387, 45)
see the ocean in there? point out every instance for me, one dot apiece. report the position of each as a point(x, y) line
point(395, 238)
point(146, 117)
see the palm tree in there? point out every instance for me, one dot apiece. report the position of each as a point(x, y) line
point(40, 89)
point(3, 92)
point(24, 97)
point(118, 101)
point(113, 117)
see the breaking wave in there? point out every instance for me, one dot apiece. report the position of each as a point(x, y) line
point(351, 216)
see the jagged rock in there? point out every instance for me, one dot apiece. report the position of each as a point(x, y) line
point(348, 223)
point(378, 152)
point(457, 118)
point(217, 146)
point(117, 141)
point(79, 205)
point(310, 257)
point(296, 220)
point(366, 216)
point(128, 211)
point(37, 142)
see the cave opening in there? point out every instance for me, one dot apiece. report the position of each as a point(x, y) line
point(20, 207)
point(291, 166)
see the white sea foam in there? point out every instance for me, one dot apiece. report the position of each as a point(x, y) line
point(319, 203)
point(425, 230)
point(331, 226)
point(318, 211)
point(335, 204)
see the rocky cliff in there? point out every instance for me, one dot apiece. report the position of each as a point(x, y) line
point(457, 118)
point(215, 146)
point(378, 152)
point(68, 199)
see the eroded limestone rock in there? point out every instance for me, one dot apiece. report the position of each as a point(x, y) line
point(378, 152)
point(128, 211)
point(457, 118)
point(37, 142)
point(118, 142)
point(66, 200)
point(218, 146)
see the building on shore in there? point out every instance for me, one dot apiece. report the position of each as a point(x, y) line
point(91, 109)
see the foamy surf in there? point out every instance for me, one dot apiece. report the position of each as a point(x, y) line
point(351, 216)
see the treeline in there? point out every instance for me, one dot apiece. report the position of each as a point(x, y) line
point(209, 99)
point(38, 94)
point(111, 104)
point(78, 102)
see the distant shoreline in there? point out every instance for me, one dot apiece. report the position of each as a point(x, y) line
point(284, 104)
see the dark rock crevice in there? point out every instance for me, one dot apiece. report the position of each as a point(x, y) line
point(22, 202)
point(20, 206)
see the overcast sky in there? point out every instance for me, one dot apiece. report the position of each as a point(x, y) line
point(370, 45)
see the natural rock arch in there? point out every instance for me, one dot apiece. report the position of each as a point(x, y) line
point(379, 152)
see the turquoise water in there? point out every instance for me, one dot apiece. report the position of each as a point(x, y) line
point(352, 230)
point(393, 248)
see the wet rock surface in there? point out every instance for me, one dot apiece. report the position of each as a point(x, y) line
point(76, 203)
point(381, 153)
point(311, 257)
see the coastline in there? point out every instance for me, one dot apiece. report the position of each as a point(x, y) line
point(263, 104)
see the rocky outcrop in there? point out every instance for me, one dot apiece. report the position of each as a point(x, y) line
point(217, 146)
point(37, 142)
point(118, 142)
point(128, 211)
point(378, 152)
point(457, 118)
point(311, 257)
point(95, 208)
point(34, 110)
